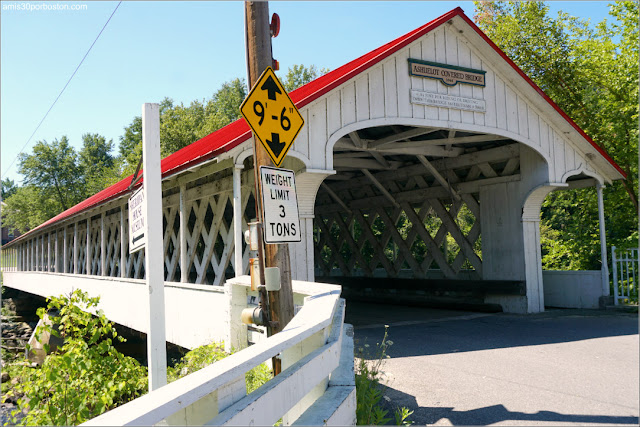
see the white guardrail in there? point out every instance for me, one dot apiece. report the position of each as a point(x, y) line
point(316, 385)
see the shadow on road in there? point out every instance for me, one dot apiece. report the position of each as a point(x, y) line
point(494, 414)
point(424, 333)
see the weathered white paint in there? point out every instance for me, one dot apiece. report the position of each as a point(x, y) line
point(75, 248)
point(572, 289)
point(237, 220)
point(184, 259)
point(123, 241)
point(604, 270)
point(154, 255)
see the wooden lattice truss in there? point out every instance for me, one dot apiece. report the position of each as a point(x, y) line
point(104, 250)
point(411, 209)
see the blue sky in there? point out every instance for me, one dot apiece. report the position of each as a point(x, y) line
point(182, 50)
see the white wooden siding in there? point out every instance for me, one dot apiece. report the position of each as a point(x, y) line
point(382, 95)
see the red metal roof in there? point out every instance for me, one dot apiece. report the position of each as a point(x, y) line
point(237, 132)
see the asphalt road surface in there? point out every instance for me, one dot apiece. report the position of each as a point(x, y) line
point(561, 367)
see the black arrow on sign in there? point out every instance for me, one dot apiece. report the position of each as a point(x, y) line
point(271, 87)
point(275, 144)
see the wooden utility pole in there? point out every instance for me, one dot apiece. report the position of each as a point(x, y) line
point(259, 58)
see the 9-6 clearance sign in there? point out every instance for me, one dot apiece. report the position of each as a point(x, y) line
point(280, 205)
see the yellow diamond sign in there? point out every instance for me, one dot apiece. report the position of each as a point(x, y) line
point(274, 119)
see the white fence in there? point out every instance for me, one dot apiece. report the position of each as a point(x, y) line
point(625, 274)
point(316, 385)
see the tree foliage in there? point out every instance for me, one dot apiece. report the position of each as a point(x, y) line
point(299, 75)
point(53, 169)
point(9, 188)
point(591, 72)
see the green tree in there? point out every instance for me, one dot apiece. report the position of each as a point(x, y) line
point(98, 166)
point(224, 107)
point(27, 208)
point(53, 169)
point(9, 188)
point(299, 75)
point(591, 72)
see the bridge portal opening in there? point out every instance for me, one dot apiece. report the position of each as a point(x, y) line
point(401, 220)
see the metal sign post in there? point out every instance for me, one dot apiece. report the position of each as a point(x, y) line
point(156, 337)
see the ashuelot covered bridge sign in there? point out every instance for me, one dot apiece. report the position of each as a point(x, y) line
point(426, 158)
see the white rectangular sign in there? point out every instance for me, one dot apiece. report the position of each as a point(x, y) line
point(447, 101)
point(137, 215)
point(279, 205)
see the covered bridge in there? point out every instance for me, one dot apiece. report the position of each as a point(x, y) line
point(427, 158)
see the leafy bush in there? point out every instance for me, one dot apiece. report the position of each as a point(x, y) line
point(369, 390)
point(84, 377)
point(205, 355)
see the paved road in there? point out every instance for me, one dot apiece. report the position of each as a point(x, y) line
point(561, 367)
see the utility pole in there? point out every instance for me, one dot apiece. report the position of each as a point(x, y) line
point(258, 39)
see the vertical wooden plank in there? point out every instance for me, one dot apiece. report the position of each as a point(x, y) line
point(65, 255)
point(37, 254)
point(57, 253)
point(569, 157)
point(390, 88)
point(362, 98)
point(534, 127)
point(301, 143)
point(123, 242)
point(376, 92)
point(500, 103)
point(466, 91)
point(451, 53)
point(75, 248)
point(430, 85)
point(523, 117)
point(310, 252)
point(348, 96)
point(558, 152)
point(184, 274)
point(603, 243)
point(49, 252)
point(552, 157)
point(334, 113)
point(403, 83)
point(544, 136)
point(88, 248)
point(417, 83)
point(317, 130)
point(156, 338)
point(103, 247)
point(441, 56)
point(489, 96)
point(512, 109)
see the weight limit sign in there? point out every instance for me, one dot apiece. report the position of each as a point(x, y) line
point(280, 205)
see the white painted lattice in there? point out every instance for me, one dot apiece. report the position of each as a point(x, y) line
point(418, 226)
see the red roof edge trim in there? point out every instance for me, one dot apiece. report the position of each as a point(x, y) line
point(543, 94)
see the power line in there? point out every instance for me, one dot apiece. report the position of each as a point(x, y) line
point(63, 89)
